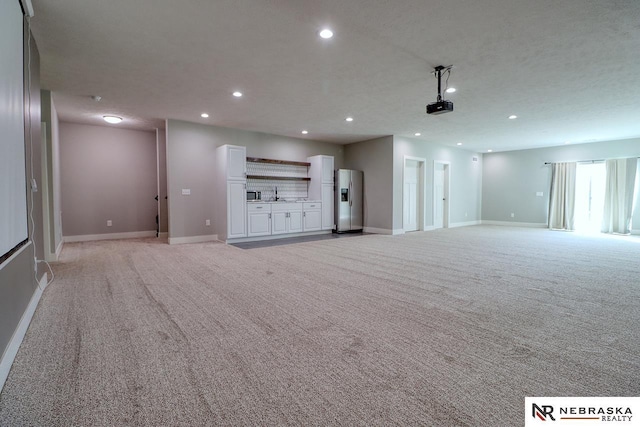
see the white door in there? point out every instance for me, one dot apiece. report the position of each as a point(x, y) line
point(410, 206)
point(312, 220)
point(279, 222)
point(236, 209)
point(441, 195)
point(259, 224)
point(295, 222)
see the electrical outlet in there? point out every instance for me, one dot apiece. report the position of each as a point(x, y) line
point(109, 223)
point(466, 214)
point(186, 191)
point(539, 193)
point(207, 222)
point(513, 215)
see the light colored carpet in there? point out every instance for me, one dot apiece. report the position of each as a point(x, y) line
point(446, 328)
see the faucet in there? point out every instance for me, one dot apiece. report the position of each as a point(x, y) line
point(276, 193)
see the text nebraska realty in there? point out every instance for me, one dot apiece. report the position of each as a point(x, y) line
point(608, 414)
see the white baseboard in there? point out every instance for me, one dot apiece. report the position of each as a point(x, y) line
point(464, 224)
point(109, 236)
point(192, 239)
point(379, 230)
point(59, 249)
point(163, 235)
point(515, 224)
point(18, 335)
point(635, 232)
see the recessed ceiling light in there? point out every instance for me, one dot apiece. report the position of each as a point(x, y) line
point(112, 119)
point(459, 143)
point(513, 116)
point(204, 115)
point(304, 132)
point(326, 33)
point(489, 151)
point(417, 134)
point(349, 119)
point(237, 94)
point(450, 90)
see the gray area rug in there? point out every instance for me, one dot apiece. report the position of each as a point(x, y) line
point(447, 328)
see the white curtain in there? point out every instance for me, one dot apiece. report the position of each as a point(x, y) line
point(563, 196)
point(618, 196)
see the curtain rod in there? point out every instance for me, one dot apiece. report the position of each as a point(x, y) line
point(585, 161)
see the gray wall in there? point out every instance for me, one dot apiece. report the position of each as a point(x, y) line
point(17, 281)
point(512, 178)
point(161, 136)
point(191, 150)
point(51, 168)
point(107, 173)
point(374, 158)
point(465, 179)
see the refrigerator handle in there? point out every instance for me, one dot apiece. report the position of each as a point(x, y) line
point(350, 193)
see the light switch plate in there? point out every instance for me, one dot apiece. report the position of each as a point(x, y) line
point(539, 193)
point(186, 191)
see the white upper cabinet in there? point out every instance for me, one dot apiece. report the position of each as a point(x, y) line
point(327, 169)
point(236, 162)
point(321, 169)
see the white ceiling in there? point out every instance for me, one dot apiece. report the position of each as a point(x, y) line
point(569, 69)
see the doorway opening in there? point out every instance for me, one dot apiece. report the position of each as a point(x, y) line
point(441, 192)
point(413, 194)
point(589, 202)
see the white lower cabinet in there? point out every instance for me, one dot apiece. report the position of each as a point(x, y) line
point(286, 218)
point(259, 219)
point(312, 216)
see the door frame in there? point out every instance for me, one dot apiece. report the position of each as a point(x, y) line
point(422, 177)
point(447, 192)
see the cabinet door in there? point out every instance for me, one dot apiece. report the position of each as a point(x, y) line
point(259, 224)
point(295, 221)
point(236, 162)
point(279, 222)
point(236, 210)
point(312, 220)
point(327, 207)
point(327, 169)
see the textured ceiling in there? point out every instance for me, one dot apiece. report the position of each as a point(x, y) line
point(569, 69)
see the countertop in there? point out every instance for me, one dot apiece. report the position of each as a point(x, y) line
point(284, 201)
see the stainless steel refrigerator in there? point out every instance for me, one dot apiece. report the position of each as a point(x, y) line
point(348, 206)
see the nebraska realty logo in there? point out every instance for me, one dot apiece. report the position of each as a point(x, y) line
point(582, 411)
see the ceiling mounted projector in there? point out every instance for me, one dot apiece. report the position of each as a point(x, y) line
point(441, 106)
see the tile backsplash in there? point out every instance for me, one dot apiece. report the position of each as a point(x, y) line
point(286, 189)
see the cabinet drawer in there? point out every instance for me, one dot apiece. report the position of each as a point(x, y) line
point(312, 206)
point(286, 207)
point(258, 207)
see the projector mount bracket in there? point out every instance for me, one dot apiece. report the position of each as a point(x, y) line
point(437, 72)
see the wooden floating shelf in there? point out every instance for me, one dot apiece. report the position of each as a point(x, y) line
point(277, 162)
point(280, 178)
